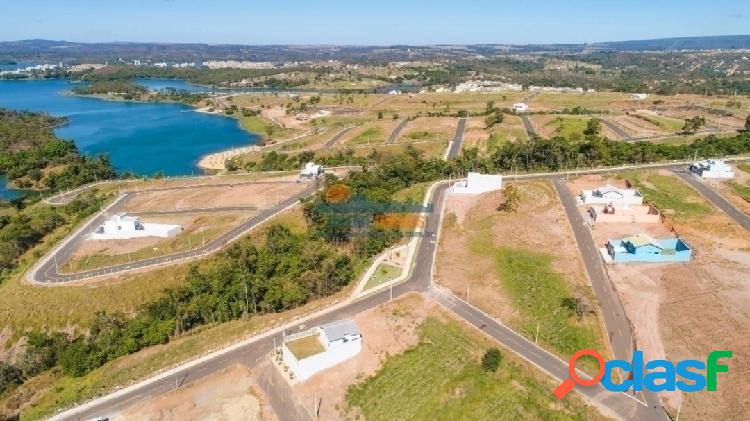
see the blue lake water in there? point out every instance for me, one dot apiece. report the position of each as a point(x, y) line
point(143, 138)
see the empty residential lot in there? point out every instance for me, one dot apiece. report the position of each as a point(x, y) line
point(519, 267)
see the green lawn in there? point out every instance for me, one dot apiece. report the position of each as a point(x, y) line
point(668, 193)
point(370, 135)
point(740, 190)
point(504, 135)
point(414, 193)
point(667, 123)
point(424, 135)
point(305, 347)
point(441, 379)
point(744, 167)
point(536, 291)
point(260, 126)
point(570, 127)
point(383, 274)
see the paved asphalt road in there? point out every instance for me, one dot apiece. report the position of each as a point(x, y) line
point(48, 271)
point(455, 147)
point(619, 131)
point(335, 139)
point(714, 197)
point(254, 354)
point(528, 125)
point(397, 131)
point(621, 337)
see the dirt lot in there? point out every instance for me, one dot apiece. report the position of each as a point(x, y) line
point(475, 135)
point(540, 224)
point(740, 177)
point(434, 127)
point(686, 310)
point(230, 394)
point(639, 127)
point(255, 194)
point(388, 329)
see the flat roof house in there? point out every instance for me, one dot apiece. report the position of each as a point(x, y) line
point(477, 183)
point(712, 168)
point(644, 248)
point(520, 107)
point(123, 227)
point(611, 194)
point(321, 347)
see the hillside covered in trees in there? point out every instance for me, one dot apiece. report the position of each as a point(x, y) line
point(31, 156)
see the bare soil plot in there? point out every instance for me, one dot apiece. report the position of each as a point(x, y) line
point(429, 128)
point(486, 252)
point(230, 394)
point(640, 127)
point(475, 134)
point(260, 195)
point(550, 101)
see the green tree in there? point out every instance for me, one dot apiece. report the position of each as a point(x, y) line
point(576, 305)
point(380, 115)
point(692, 125)
point(593, 127)
point(10, 377)
point(491, 360)
point(512, 197)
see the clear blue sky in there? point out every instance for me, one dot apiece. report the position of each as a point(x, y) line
point(369, 22)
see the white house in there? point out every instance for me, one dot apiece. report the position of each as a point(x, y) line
point(321, 347)
point(477, 183)
point(639, 97)
point(311, 170)
point(520, 107)
point(611, 194)
point(123, 227)
point(712, 168)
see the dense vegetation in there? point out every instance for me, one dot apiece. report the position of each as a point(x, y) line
point(32, 156)
point(29, 225)
point(126, 88)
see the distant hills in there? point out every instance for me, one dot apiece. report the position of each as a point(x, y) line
point(40, 49)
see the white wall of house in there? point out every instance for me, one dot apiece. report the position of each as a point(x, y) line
point(477, 183)
point(121, 227)
point(610, 194)
point(333, 355)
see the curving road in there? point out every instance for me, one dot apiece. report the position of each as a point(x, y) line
point(47, 271)
point(253, 352)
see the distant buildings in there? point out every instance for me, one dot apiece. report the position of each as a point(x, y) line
point(123, 227)
point(234, 64)
point(477, 183)
point(611, 194)
point(487, 86)
point(647, 249)
point(520, 107)
point(322, 347)
point(712, 168)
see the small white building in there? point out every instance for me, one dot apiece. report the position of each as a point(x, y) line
point(123, 227)
point(639, 97)
point(611, 194)
point(520, 107)
point(477, 183)
point(712, 168)
point(311, 170)
point(321, 347)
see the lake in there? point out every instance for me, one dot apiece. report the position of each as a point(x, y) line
point(144, 138)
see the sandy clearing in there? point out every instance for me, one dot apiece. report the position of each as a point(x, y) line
point(230, 394)
point(256, 194)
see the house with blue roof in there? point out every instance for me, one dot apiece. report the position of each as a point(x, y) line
point(647, 249)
